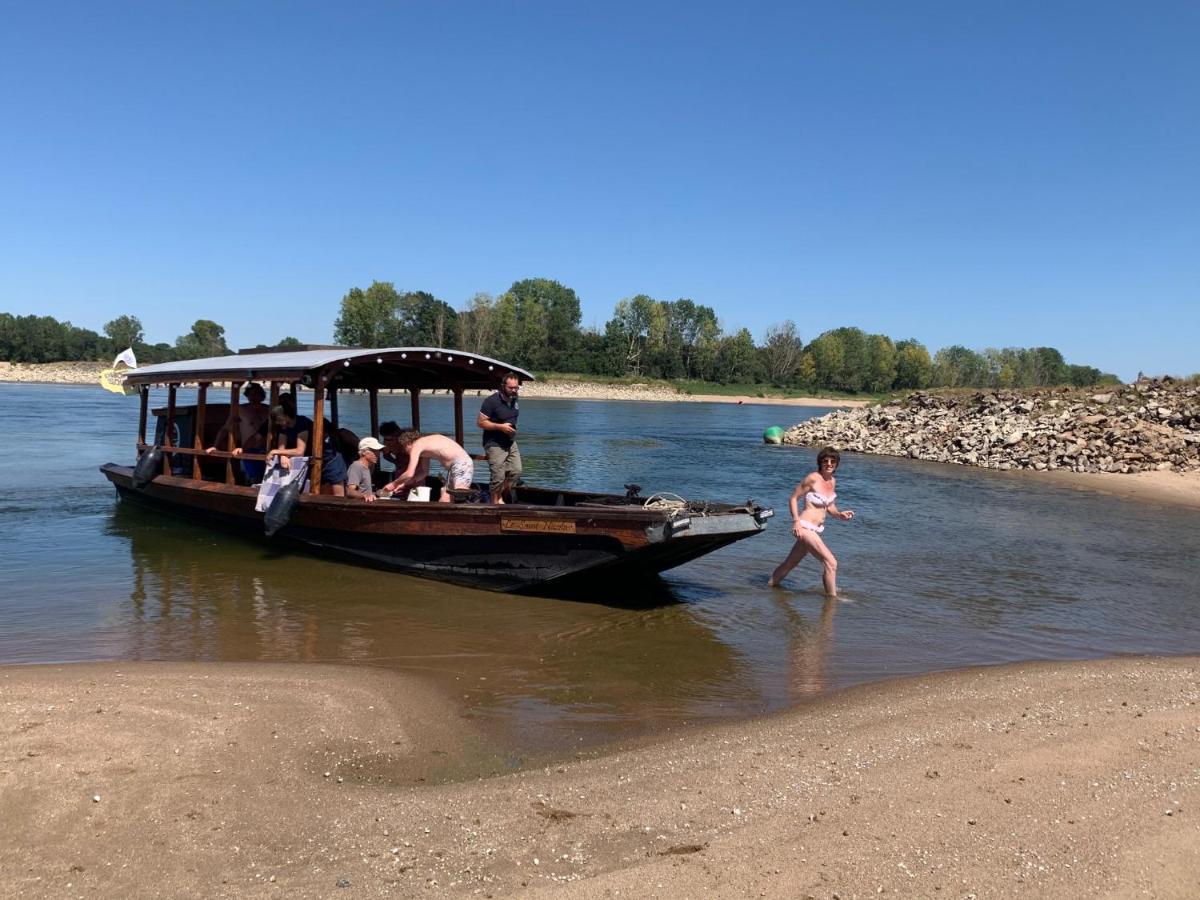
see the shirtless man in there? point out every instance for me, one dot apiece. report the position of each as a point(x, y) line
point(460, 470)
point(252, 432)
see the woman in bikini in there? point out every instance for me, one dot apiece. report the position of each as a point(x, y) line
point(817, 494)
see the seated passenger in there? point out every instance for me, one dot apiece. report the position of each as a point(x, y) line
point(252, 432)
point(358, 477)
point(294, 437)
point(389, 433)
point(460, 470)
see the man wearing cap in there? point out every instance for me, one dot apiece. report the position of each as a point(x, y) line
point(252, 431)
point(498, 419)
point(358, 477)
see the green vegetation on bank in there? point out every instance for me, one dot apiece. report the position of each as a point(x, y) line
point(536, 323)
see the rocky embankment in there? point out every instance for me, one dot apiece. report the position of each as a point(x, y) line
point(587, 390)
point(1146, 426)
point(52, 373)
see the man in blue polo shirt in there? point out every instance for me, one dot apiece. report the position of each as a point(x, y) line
point(498, 419)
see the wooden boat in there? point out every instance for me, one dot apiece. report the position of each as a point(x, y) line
point(549, 540)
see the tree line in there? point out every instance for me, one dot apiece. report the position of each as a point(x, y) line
point(536, 324)
point(40, 339)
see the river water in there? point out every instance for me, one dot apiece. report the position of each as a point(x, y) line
point(942, 567)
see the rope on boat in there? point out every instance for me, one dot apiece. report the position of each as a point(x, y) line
point(664, 500)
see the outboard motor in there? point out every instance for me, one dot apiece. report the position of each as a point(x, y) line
point(149, 466)
point(282, 504)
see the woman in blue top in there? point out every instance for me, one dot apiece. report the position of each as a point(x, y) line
point(294, 437)
point(818, 493)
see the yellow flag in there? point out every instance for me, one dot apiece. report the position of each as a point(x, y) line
point(114, 380)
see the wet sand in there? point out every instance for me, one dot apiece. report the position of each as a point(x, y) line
point(1173, 488)
point(219, 780)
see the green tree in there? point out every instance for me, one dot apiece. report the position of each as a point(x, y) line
point(690, 337)
point(9, 337)
point(914, 367)
point(206, 339)
point(781, 353)
point(124, 331)
point(504, 328)
point(1084, 376)
point(422, 320)
point(554, 315)
point(477, 322)
point(368, 318)
point(1049, 367)
point(959, 367)
point(882, 363)
point(589, 355)
point(36, 339)
point(531, 333)
point(737, 358)
point(629, 329)
point(288, 343)
point(855, 359)
point(806, 372)
point(155, 353)
point(829, 358)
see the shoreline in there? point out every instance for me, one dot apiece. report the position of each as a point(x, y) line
point(1067, 779)
point(88, 374)
point(1170, 488)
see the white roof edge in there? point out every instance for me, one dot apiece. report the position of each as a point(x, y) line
point(246, 363)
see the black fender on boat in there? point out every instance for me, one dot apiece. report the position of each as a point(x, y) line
point(149, 466)
point(282, 504)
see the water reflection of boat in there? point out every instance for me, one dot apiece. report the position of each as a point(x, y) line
point(535, 672)
point(550, 540)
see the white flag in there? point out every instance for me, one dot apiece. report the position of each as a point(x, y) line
point(126, 357)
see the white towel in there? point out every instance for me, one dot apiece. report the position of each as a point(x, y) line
point(276, 477)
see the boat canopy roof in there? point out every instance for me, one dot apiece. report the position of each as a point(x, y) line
point(343, 367)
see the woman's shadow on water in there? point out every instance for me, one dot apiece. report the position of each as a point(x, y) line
point(810, 639)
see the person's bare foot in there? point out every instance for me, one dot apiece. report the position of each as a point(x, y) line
point(771, 582)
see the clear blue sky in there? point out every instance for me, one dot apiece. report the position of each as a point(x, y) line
point(1000, 174)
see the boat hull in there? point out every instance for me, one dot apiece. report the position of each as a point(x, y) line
point(520, 548)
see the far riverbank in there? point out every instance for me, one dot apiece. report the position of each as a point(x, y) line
point(89, 373)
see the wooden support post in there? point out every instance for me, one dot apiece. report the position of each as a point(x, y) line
point(144, 390)
point(198, 442)
point(316, 440)
point(271, 438)
point(373, 393)
point(458, 416)
point(415, 397)
point(169, 432)
point(235, 430)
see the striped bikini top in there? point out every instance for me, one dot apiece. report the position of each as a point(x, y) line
point(819, 500)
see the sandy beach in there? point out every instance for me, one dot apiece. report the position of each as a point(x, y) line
point(1172, 488)
point(221, 780)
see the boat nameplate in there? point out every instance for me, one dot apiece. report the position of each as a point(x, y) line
point(546, 526)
